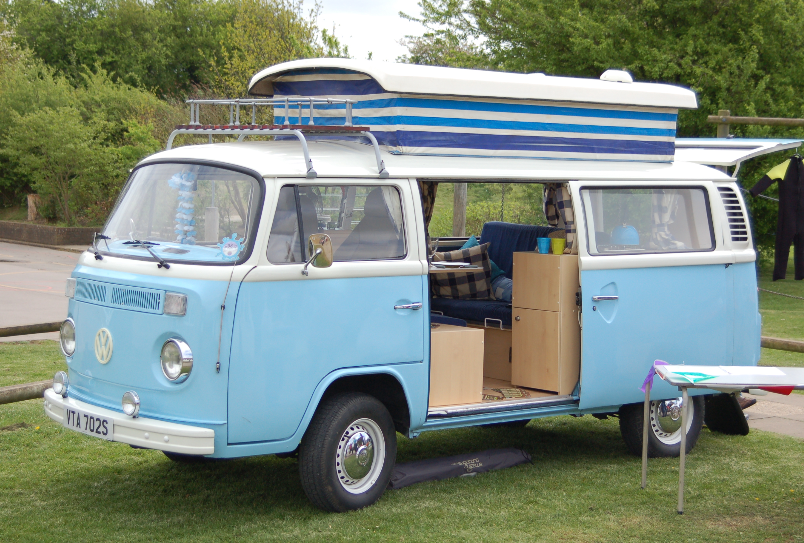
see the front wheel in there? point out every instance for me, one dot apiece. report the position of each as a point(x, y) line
point(664, 437)
point(348, 453)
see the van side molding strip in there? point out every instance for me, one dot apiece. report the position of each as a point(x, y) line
point(497, 407)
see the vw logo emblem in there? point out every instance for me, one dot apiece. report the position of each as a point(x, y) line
point(103, 346)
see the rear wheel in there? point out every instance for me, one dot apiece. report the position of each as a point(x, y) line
point(348, 453)
point(664, 438)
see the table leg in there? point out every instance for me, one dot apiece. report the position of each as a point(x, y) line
point(684, 401)
point(645, 430)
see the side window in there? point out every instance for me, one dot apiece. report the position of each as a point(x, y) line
point(363, 222)
point(647, 220)
point(284, 243)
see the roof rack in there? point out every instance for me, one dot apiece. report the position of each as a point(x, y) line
point(235, 128)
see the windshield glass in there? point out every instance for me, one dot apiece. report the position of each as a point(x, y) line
point(189, 211)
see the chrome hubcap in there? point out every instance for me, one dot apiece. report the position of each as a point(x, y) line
point(360, 456)
point(665, 420)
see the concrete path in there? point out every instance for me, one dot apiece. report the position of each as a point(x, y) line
point(32, 286)
point(777, 413)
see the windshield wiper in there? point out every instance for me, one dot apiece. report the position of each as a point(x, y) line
point(147, 246)
point(95, 245)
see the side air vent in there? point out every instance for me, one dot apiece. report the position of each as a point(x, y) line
point(124, 297)
point(734, 213)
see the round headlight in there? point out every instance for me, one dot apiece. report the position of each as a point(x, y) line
point(67, 337)
point(131, 403)
point(60, 382)
point(177, 360)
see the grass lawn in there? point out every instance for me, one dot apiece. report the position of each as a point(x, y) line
point(58, 485)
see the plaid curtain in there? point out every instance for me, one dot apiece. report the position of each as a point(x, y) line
point(559, 213)
point(428, 190)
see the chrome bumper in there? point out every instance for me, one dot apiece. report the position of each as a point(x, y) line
point(140, 432)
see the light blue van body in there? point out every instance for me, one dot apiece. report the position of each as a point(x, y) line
point(282, 345)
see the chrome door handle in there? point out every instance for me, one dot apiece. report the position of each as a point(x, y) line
point(603, 298)
point(414, 306)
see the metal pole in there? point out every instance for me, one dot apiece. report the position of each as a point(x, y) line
point(684, 401)
point(645, 430)
point(287, 113)
point(311, 112)
point(348, 121)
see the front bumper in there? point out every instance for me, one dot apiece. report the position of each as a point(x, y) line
point(140, 432)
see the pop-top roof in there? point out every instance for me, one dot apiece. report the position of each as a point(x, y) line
point(728, 151)
point(434, 80)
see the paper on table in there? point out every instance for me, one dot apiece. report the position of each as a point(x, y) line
point(751, 370)
point(695, 374)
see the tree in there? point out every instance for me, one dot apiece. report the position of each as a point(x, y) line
point(56, 149)
point(263, 33)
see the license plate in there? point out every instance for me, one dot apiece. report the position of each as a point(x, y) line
point(92, 425)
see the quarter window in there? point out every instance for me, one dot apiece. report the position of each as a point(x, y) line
point(647, 220)
point(363, 222)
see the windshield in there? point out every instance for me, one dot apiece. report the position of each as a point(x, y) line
point(189, 212)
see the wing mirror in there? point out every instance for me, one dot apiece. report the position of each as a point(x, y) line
point(319, 246)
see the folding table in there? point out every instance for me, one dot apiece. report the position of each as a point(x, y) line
point(726, 379)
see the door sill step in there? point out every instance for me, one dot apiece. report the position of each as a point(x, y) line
point(509, 405)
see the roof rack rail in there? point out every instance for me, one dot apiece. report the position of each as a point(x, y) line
point(235, 128)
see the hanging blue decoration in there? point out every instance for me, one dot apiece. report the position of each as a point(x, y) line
point(185, 231)
point(230, 248)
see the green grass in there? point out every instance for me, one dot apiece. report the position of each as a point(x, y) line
point(57, 485)
point(782, 317)
point(29, 361)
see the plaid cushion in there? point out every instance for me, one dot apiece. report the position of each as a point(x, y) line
point(475, 285)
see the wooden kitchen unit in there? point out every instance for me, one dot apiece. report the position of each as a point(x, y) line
point(546, 350)
point(456, 365)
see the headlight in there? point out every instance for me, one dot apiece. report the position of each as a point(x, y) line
point(67, 337)
point(131, 404)
point(60, 383)
point(177, 360)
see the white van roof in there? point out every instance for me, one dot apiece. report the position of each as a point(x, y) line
point(435, 80)
point(351, 159)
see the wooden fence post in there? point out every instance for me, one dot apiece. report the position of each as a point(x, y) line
point(459, 210)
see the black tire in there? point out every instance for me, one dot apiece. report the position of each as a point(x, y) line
point(186, 458)
point(348, 429)
point(664, 439)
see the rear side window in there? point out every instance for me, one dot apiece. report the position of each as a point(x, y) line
point(647, 220)
point(363, 222)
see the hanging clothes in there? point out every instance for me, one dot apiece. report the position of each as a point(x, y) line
point(790, 223)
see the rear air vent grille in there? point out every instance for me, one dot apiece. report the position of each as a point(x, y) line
point(735, 215)
point(124, 297)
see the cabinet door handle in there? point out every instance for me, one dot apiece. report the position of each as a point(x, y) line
point(604, 298)
point(414, 306)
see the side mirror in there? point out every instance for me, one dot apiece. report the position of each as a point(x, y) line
point(319, 246)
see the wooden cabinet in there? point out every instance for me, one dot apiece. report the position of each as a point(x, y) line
point(546, 350)
point(456, 365)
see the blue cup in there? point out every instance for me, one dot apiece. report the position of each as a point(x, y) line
point(544, 245)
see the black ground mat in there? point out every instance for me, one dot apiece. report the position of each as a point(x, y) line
point(436, 469)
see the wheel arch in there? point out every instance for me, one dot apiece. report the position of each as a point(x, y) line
point(384, 384)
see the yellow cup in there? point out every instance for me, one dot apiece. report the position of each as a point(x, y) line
point(558, 245)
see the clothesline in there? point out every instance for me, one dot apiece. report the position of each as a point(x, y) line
point(761, 196)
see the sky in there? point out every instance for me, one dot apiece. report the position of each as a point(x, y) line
point(369, 25)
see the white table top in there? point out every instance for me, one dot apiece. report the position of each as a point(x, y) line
point(731, 377)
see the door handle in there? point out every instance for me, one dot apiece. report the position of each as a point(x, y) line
point(603, 298)
point(413, 306)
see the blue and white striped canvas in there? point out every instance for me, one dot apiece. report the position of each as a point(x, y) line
point(439, 125)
